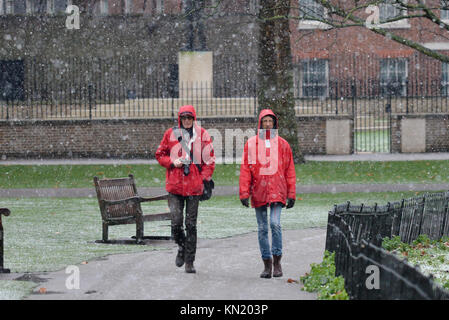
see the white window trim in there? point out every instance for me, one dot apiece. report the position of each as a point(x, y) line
point(436, 45)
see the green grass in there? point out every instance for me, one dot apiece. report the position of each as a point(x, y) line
point(312, 172)
point(372, 141)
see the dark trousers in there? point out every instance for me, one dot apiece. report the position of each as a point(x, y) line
point(185, 240)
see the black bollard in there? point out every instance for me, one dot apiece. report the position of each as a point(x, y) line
point(5, 212)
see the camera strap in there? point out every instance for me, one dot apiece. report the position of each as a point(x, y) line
point(178, 134)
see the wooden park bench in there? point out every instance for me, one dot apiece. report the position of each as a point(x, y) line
point(5, 212)
point(120, 204)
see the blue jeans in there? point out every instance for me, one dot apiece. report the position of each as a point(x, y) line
point(276, 232)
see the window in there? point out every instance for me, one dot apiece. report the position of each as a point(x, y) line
point(36, 6)
point(104, 8)
point(445, 79)
point(393, 77)
point(309, 10)
point(59, 6)
point(128, 6)
point(98, 8)
point(33, 6)
point(253, 6)
point(159, 6)
point(444, 12)
point(18, 6)
point(312, 78)
point(387, 11)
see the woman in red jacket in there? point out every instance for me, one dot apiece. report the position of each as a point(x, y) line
point(187, 153)
point(267, 175)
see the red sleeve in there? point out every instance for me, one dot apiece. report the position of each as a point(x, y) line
point(245, 175)
point(290, 174)
point(208, 157)
point(163, 151)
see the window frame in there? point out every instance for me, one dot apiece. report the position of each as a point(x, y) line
point(301, 84)
point(445, 79)
point(383, 83)
point(444, 19)
point(400, 24)
point(312, 24)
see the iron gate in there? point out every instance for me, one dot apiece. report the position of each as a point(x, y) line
point(372, 125)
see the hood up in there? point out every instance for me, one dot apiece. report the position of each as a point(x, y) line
point(186, 109)
point(267, 134)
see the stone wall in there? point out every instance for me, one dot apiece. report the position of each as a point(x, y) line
point(130, 138)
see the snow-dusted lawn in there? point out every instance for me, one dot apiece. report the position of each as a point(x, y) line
point(47, 234)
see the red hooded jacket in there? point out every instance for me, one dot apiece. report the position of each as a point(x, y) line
point(170, 149)
point(267, 172)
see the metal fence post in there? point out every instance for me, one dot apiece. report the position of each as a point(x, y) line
point(5, 212)
point(89, 96)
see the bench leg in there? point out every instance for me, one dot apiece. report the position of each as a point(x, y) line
point(105, 232)
point(139, 229)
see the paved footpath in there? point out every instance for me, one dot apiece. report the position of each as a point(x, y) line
point(227, 269)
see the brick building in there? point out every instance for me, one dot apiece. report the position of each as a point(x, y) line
point(324, 58)
point(122, 64)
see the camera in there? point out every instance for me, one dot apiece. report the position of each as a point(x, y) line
point(186, 166)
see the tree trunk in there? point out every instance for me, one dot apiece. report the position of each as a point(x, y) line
point(275, 80)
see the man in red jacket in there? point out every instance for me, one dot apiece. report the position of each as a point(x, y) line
point(187, 153)
point(267, 175)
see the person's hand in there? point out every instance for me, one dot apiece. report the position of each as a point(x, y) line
point(290, 203)
point(177, 163)
point(245, 202)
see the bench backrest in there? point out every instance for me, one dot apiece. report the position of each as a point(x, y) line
point(116, 189)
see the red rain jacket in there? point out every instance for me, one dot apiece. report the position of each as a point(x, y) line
point(170, 149)
point(267, 172)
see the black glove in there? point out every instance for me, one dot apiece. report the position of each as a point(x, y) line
point(245, 202)
point(290, 203)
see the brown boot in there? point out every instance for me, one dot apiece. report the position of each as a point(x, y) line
point(268, 264)
point(189, 267)
point(277, 268)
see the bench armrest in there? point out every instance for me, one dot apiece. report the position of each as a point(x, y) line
point(5, 211)
point(122, 201)
point(156, 198)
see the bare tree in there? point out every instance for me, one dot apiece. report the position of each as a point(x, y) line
point(275, 80)
point(354, 13)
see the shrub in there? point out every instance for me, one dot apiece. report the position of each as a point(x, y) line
point(322, 280)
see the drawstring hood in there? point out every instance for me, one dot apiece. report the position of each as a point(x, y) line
point(263, 133)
